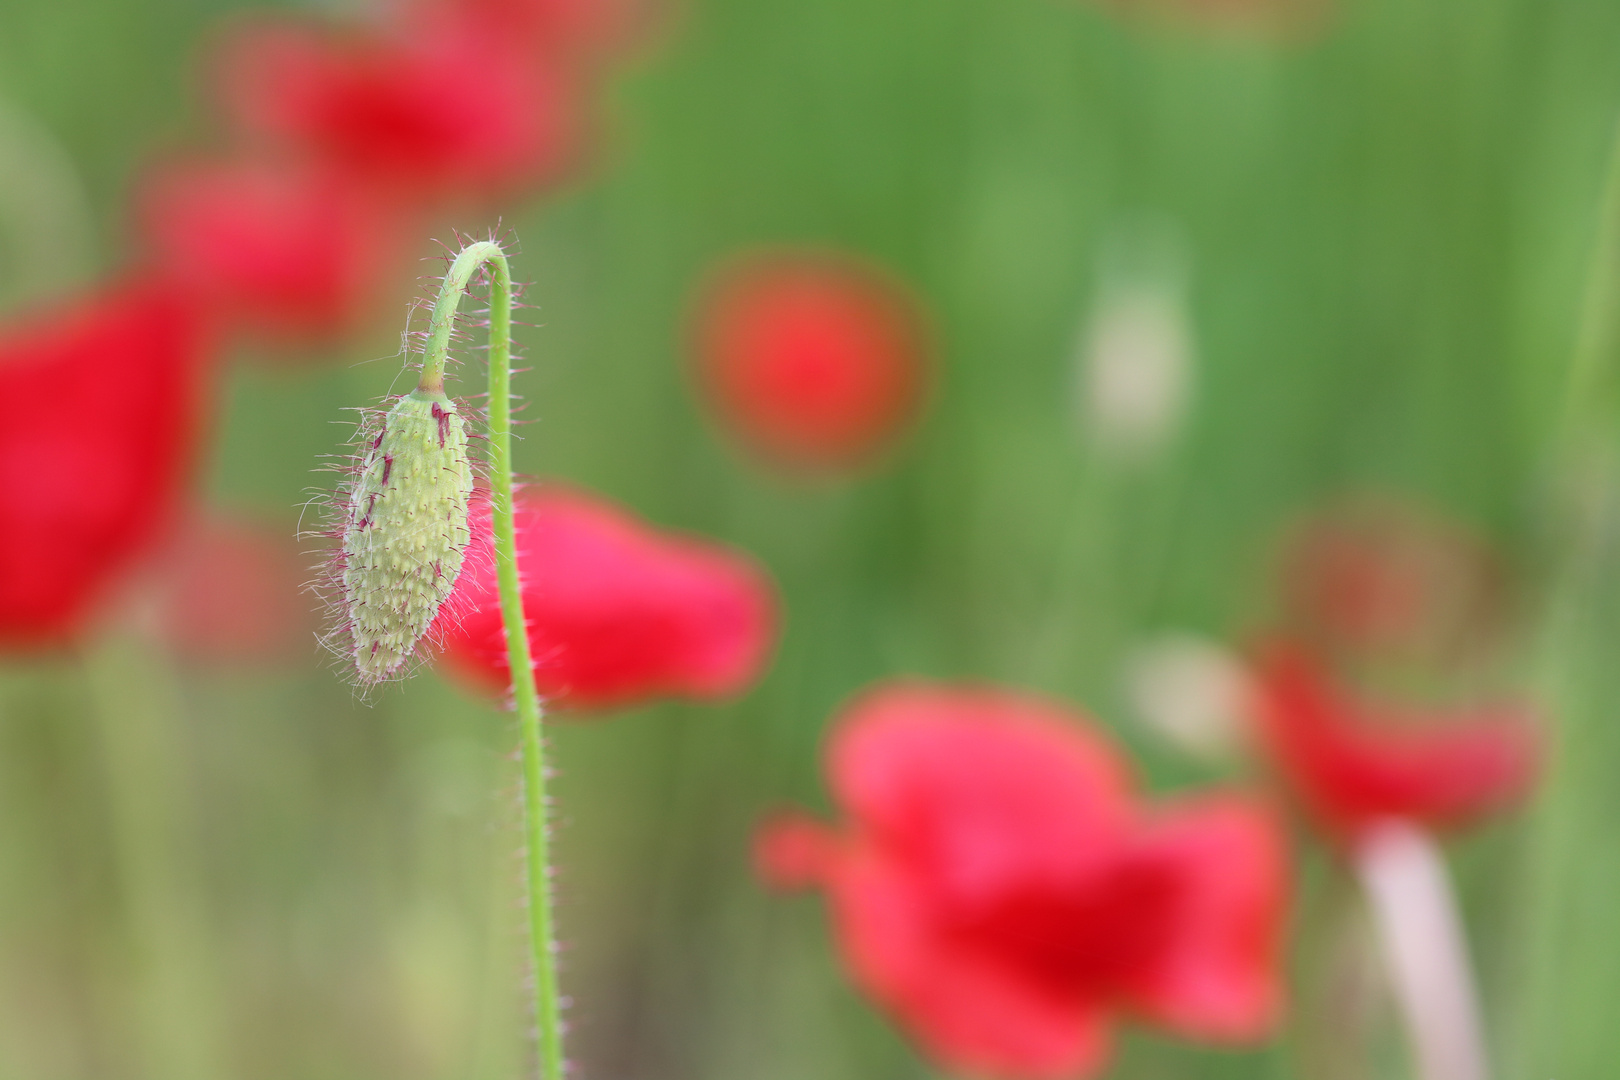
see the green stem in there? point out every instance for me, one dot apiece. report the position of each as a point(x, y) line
point(1592, 379)
point(548, 1019)
point(139, 709)
point(1570, 856)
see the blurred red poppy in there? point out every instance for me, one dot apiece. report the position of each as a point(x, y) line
point(618, 612)
point(1001, 891)
point(815, 361)
point(444, 115)
point(574, 29)
point(232, 593)
point(107, 393)
point(285, 252)
point(1353, 763)
point(1375, 575)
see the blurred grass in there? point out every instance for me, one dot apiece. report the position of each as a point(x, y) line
point(1388, 232)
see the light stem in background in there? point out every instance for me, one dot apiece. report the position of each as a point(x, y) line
point(1420, 933)
point(1584, 446)
point(140, 716)
point(1568, 856)
point(1592, 376)
point(536, 833)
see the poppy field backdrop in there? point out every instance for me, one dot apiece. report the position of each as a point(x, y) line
point(1364, 237)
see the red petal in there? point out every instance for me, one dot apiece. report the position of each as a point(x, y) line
point(1216, 977)
point(978, 784)
point(969, 1012)
point(1352, 763)
point(618, 613)
point(997, 892)
point(106, 399)
point(283, 251)
point(578, 29)
point(432, 115)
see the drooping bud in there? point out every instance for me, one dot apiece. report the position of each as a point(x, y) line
point(407, 530)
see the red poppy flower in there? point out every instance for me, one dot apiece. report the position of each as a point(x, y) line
point(283, 251)
point(1373, 575)
point(1003, 894)
point(1354, 763)
point(431, 115)
point(568, 28)
point(106, 395)
point(617, 611)
point(815, 361)
point(232, 592)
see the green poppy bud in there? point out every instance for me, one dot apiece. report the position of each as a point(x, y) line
point(406, 531)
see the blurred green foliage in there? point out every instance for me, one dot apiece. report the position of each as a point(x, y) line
point(1388, 231)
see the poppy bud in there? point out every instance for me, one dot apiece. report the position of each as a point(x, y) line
point(1138, 353)
point(406, 531)
point(1192, 693)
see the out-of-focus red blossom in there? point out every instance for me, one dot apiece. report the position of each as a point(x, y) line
point(1373, 575)
point(233, 593)
point(443, 115)
point(1000, 890)
point(107, 393)
point(815, 361)
point(572, 29)
point(617, 611)
point(1353, 763)
point(284, 251)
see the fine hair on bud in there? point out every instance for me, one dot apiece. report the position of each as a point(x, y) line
point(405, 531)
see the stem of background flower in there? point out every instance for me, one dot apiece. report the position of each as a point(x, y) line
point(44, 209)
point(139, 711)
point(1569, 849)
point(1592, 376)
point(548, 1019)
point(1420, 931)
point(1584, 449)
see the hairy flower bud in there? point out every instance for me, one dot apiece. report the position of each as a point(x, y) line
point(406, 531)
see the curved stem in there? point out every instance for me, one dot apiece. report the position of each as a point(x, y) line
point(547, 1004)
point(467, 263)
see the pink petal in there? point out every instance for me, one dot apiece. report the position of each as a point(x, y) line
point(1217, 971)
point(618, 612)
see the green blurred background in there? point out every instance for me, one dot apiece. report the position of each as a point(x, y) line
point(1386, 233)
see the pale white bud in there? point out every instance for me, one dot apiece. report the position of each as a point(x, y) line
point(1136, 353)
point(1192, 693)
